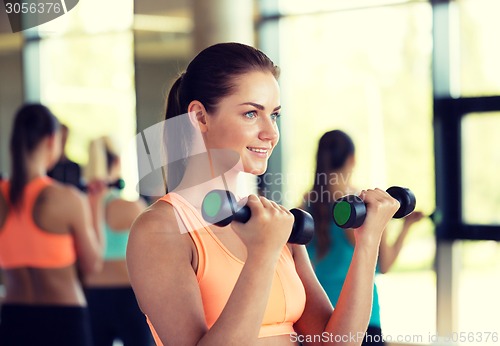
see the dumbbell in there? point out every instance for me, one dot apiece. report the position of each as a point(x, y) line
point(350, 211)
point(118, 184)
point(220, 208)
point(436, 216)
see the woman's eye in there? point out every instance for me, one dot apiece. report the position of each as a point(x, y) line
point(275, 116)
point(251, 114)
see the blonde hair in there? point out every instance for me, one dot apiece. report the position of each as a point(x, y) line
point(100, 150)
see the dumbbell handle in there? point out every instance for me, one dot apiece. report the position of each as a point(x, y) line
point(351, 210)
point(244, 214)
point(119, 184)
point(303, 225)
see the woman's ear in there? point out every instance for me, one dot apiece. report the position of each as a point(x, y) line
point(198, 115)
point(352, 161)
point(53, 141)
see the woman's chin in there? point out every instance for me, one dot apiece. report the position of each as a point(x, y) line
point(255, 170)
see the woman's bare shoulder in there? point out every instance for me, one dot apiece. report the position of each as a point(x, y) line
point(66, 200)
point(159, 225)
point(158, 217)
point(159, 260)
point(63, 194)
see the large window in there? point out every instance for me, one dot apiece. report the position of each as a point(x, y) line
point(478, 288)
point(478, 52)
point(86, 64)
point(480, 168)
point(368, 72)
point(365, 67)
point(472, 126)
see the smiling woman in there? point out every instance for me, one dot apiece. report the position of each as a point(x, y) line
point(223, 93)
point(242, 283)
point(257, 119)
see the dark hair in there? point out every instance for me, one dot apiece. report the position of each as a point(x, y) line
point(111, 152)
point(111, 158)
point(209, 77)
point(334, 148)
point(32, 124)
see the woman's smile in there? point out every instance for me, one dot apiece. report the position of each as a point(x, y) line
point(260, 152)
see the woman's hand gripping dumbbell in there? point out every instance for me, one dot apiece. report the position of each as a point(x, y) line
point(350, 211)
point(220, 208)
point(117, 184)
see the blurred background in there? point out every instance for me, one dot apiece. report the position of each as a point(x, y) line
point(415, 83)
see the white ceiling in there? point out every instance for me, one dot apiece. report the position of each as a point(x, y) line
point(153, 7)
point(165, 7)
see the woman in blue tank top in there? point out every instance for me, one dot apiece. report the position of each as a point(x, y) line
point(332, 247)
point(113, 308)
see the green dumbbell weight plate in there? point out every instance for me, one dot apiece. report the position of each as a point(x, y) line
point(342, 212)
point(349, 212)
point(212, 204)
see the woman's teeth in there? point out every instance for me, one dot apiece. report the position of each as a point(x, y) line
point(258, 150)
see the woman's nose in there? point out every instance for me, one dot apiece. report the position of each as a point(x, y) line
point(269, 130)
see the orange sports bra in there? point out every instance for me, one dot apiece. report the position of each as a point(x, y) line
point(23, 243)
point(218, 271)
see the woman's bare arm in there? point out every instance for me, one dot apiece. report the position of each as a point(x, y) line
point(159, 259)
point(120, 213)
point(87, 242)
point(349, 320)
point(390, 252)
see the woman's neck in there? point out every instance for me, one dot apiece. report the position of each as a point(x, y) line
point(199, 179)
point(35, 167)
